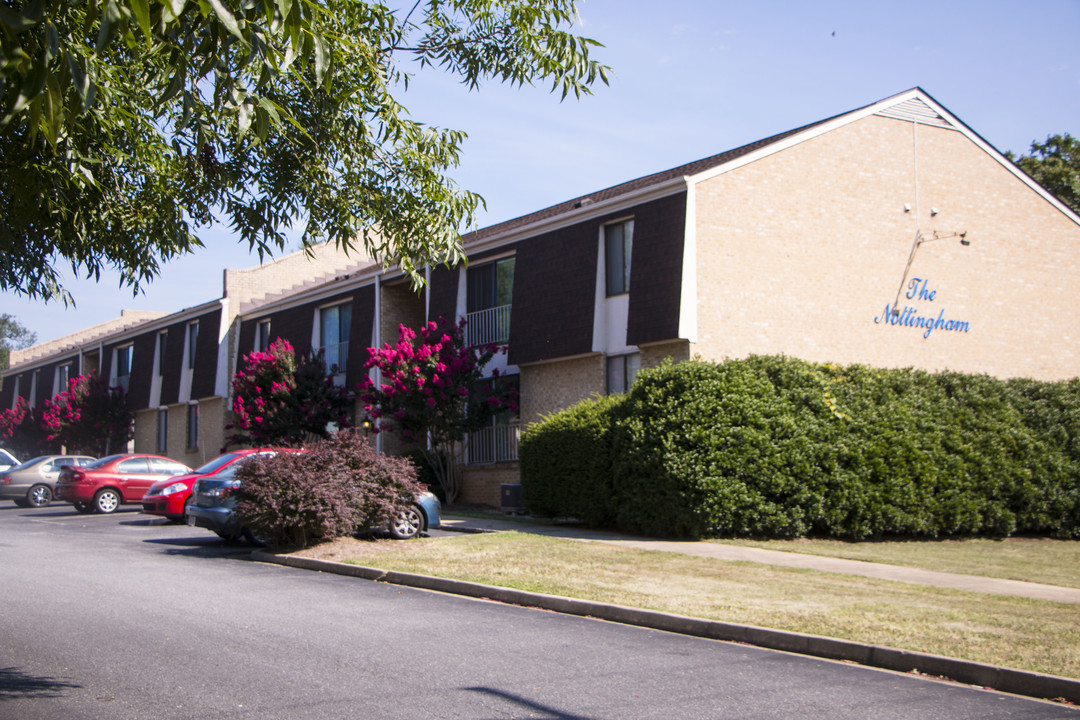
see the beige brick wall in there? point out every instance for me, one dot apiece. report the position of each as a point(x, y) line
point(289, 271)
point(482, 484)
point(211, 432)
point(548, 387)
point(653, 355)
point(400, 305)
point(800, 251)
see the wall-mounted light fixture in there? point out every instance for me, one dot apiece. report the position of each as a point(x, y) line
point(919, 240)
point(934, 211)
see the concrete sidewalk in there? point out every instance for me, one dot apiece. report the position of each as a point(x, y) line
point(720, 551)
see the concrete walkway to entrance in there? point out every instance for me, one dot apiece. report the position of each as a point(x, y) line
point(720, 551)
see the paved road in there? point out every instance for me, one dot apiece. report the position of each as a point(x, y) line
point(125, 617)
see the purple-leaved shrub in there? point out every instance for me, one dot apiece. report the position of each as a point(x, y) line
point(334, 488)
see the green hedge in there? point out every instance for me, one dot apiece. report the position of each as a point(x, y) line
point(778, 447)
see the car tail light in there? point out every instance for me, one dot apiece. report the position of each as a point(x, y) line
point(5, 479)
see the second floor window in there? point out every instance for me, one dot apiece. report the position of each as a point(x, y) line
point(123, 366)
point(334, 323)
point(262, 335)
point(490, 292)
point(618, 243)
point(193, 337)
point(162, 340)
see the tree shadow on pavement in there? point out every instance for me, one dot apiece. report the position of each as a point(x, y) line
point(15, 684)
point(544, 710)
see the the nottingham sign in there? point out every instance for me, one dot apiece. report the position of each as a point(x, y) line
point(909, 316)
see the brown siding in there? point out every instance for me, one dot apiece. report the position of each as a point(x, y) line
point(204, 376)
point(174, 363)
point(293, 324)
point(554, 293)
point(363, 318)
point(443, 293)
point(656, 270)
point(142, 371)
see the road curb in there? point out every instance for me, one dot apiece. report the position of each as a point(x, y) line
point(1018, 682)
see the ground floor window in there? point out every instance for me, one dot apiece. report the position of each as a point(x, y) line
point(163, 430)
point(497, 441)
point(621, 372)
point(193, 426)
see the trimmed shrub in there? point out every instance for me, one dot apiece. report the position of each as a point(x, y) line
point(334, 488)
point(570, 460)
point(778, 447)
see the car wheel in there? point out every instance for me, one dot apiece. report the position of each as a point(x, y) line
point(227, 537)
point(407, 524)
point(84, 507)
point(39, 496)
point(106, 501)
point(254, 539)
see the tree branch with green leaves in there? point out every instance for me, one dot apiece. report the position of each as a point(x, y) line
point(127, 126)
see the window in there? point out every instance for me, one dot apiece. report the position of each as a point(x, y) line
point(133, 466)
point(192, 339)
point(123, 366)
point(193, 426)
point(490, 292)
point(498, 441)
point(621, 371)
point(618, 241)
point(334, 322)
point(163, 430)
point(262, 335)
point(162, 344)
point(63, 374)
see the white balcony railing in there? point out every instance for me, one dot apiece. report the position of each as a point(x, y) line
point(498, 443)
point(335, 357)
point(488, 326)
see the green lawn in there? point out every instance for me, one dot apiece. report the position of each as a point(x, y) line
point(1015, 632)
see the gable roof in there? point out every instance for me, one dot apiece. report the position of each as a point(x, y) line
point(914, 105)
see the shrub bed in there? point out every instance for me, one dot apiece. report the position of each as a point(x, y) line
point(334, 488)
point(778, 447)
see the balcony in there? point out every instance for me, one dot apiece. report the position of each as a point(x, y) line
point(335, 356)
point(490, 445)
point(488, 326)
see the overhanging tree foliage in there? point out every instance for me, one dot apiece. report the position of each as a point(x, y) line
point(1055, 165)
point(13, 336)
point(126, 125)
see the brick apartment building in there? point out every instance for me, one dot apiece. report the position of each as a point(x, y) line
point(892, 235)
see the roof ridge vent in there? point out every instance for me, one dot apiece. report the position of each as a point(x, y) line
point(916, 110)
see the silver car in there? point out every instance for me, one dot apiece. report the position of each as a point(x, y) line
point(32, 483)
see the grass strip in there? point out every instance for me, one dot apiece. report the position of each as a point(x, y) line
point(1040, 560)
point(1020, 633)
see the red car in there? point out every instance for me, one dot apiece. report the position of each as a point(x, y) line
point(170, 497)
point(104, 485)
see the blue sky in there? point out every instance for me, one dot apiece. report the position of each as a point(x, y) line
point(694, 78)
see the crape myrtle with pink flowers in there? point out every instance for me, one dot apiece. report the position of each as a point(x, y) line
point(88, 417)
point(432, 391)
point(284, 399)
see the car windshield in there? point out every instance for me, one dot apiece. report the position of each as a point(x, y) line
point(230, 471)
point(102, 462)
point(29, 463)
point(216, 464)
